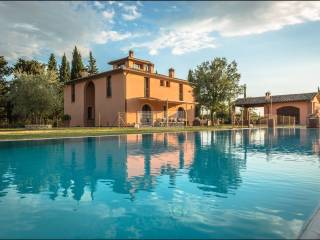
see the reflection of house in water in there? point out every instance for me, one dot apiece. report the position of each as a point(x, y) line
point(127, 163)
point(280, 140)
point(132, 163)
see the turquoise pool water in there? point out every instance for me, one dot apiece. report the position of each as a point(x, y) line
point(224, 184)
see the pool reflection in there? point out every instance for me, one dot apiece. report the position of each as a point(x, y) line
point(133, 163)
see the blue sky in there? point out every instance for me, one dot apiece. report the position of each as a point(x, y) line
point(276, 44)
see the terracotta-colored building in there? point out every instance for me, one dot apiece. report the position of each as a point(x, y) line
point(299, 106)
point(131, 93)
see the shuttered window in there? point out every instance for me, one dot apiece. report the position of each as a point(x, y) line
point(146, 87)
point(73, 92)
point(181, 92)
point(109, 87)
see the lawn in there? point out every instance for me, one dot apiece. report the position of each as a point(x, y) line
point(16, 134)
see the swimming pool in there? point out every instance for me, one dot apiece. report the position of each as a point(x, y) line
point(223, 184)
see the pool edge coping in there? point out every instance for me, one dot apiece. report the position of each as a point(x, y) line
point(109, 135)
point(311, 228)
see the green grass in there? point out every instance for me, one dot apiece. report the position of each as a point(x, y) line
point(16, 134)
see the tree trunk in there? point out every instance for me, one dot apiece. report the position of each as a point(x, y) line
point(230, 112)
point(211, 115)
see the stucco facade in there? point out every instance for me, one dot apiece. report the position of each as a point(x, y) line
point(305, 108)
point(123, 94)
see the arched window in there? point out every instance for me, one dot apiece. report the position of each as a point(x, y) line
point(146, 108)
point(146, 115)
point(181, 113)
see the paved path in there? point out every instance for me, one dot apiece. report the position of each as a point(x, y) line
point(312, 229)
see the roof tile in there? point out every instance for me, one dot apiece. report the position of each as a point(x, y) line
point(275, 99)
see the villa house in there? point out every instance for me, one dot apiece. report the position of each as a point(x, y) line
point(131, 93)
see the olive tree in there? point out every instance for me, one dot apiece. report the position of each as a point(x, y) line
point(36, 97)
point(215, 84)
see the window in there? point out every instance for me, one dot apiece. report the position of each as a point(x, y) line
point(162, 83)
point(147, 68)
point(73, 92)
point(109, 87)
point(167, 83)
point(137, 66)
point(181, 92)
point(146, 87)
point(120, 65)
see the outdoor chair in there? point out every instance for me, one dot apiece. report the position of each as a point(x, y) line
point(157, 122)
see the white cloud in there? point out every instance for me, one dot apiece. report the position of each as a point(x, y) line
point(33, 29)
point(182, 39)
point(130, 12)
point(248, 18)
point(271, 17)
point(25, 26)
point(108, 14)
point(230, 19)
point(30, 29)
point(105, 36)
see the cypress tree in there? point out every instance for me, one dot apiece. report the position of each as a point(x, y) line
point(64, 71)
point(52, 63)
point(190, 76)
point(77, 64)
point(92, 67)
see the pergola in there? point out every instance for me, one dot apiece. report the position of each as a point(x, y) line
point(246, 104)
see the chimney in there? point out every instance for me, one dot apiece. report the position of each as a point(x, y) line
point(84, 73)
point(171, 72)
point(131, 53)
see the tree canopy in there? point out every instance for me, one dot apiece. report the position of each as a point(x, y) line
point(36, 97)
point(64, 71)
point(28, 66)
point(52, 63)
point(77, 64)
point(5, 70)
point(92, 66)
point(215, 84)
